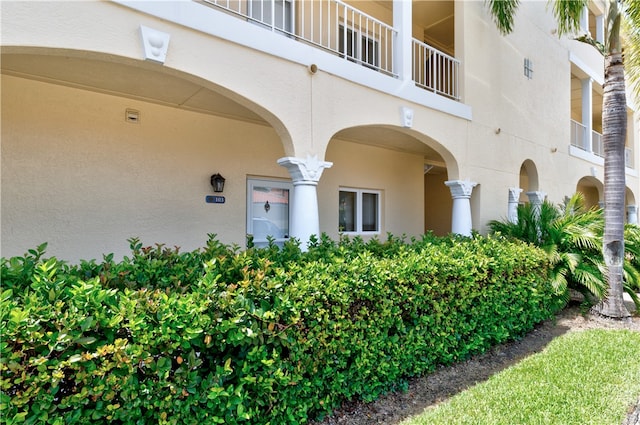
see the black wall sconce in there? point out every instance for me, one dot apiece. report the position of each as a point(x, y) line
point(217, 181)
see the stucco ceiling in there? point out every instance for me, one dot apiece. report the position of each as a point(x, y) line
point(138, 81)
point(436, 18)
point(142, 81)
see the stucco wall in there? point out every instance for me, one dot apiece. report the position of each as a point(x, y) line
point(397, 175)
point(77, 175)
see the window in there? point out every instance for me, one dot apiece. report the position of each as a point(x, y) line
point(366, 51)
point(359, 211)
point(264, 11)
point(268, 204)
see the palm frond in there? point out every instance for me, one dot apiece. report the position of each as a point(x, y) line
point(633, 295)
point(631, 39)
point(592, 279)
point(631, 276)
point(503, 13)
point(568, 13)
point(560, 284)
point(571, 260)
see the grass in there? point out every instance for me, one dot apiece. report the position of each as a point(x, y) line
point(589, 377)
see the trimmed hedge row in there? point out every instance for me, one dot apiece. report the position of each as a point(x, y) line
point(263, 336)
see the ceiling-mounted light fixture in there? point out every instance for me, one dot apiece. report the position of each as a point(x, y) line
point(217, 182)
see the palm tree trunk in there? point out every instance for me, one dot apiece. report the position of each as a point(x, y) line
point(614, 123)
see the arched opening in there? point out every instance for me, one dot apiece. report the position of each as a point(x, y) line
point(127, 149)
point(528, 180)
point(406, 169)
point(592, 190)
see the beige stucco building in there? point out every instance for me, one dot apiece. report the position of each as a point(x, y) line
point(361, 117)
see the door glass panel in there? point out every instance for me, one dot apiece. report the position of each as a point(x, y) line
point(268, 212)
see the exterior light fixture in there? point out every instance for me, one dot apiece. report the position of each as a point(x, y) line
point(217, 181)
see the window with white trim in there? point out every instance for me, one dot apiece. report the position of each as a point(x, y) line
point(358, 46)
point(359, 211)
point(276, 13)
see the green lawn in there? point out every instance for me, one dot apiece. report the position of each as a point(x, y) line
point(589, 377)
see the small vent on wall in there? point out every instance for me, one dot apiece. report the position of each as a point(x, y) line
point(528, 68)
point(132, 116)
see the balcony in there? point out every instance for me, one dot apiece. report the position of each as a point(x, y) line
point(580, 140)
point(355, 36)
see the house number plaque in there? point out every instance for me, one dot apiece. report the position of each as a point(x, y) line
point(211, 199)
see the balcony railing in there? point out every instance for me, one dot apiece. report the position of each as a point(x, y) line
point(579, 136)
point(328, 24)
point(596, 144)
point(351, 34)
point(628, 157)
point(580, 141)
point(435, 71)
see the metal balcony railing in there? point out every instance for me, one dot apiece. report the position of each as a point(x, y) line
point(350, 33)
point(435, 71)
point(596, 144)
point(328, 24)
point(579, 140)
point(579, 135)
point(628, 157)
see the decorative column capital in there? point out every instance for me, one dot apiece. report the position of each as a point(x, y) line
point(304, 171)
point(461, 188)
point(536, 197)
point(514, 194)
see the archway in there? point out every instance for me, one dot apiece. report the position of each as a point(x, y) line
point(528, 180)
point(407, 168)
point(592, 190)
point(128, 149)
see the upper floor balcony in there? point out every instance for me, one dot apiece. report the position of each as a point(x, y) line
point(586, 119)
point(365, 34)
point(593, 145)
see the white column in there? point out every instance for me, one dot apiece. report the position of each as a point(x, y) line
point(461, 222)
point(305, 174)
point(587, 114)
point(536, 198)
point(402, 46)
point(632, 214)
point(600, 29)
point(512, 208)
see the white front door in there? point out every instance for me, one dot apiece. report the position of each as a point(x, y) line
point(268, 210)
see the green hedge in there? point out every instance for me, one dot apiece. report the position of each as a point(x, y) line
point(262, 336)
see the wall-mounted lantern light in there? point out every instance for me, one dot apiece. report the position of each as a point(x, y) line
point(217, 181)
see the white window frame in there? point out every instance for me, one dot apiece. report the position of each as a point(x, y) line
point(279, 184)
point(359, 211)
point(269, 18)
point(361, 38)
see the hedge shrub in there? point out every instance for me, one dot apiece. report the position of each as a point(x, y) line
point(262, 336)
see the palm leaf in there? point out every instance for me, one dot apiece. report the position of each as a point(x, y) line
point(503, 13)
